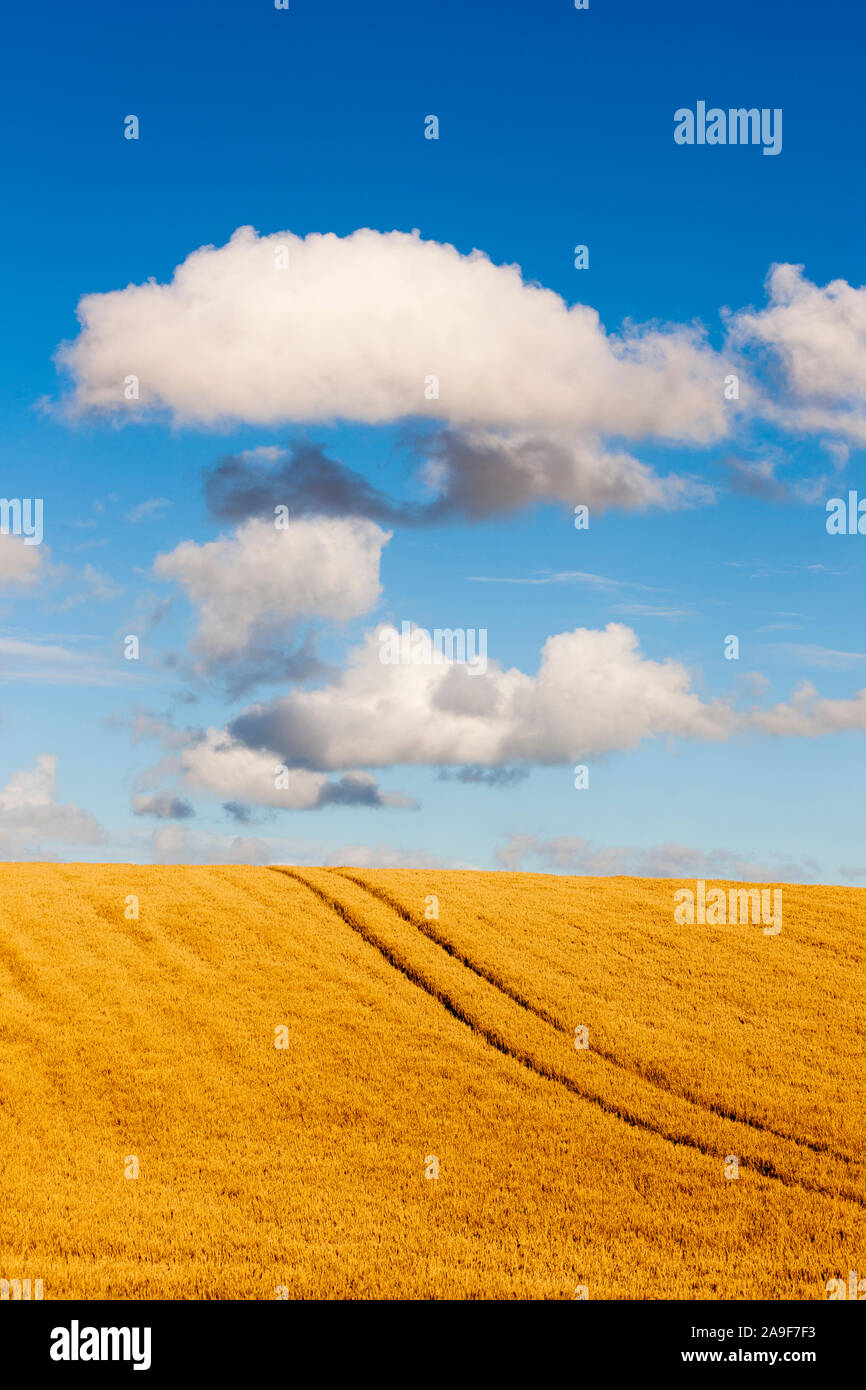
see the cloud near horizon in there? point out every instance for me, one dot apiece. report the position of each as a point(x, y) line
point(570, 854)
point(31, 816)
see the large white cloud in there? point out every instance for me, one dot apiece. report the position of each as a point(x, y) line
point(594, 693)
point(354, 326)
point(534, 399)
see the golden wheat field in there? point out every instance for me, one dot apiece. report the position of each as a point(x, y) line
point(288, 1057)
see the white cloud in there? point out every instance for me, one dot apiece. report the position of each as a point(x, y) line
point(528, 387)
point(818, 335)
point(31, 816)
point(809, 715)
point(594, 693)
point(220, 765)
point(354, 326)
point(251, 589)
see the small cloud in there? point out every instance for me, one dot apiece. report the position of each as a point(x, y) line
point(360, 789)
point(163, 806)
point(89, 545)
point(151, 510)
point(240, 811)
point(96, 587)
point(485, 776)
point(756, 480)
point(22, 566)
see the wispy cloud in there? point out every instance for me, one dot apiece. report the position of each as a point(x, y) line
point(650, 610)
point(598, 581)
point(47, 663)
point(151, 510)
point(811, 654)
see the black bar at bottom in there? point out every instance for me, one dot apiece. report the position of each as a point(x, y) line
point(410, 1341)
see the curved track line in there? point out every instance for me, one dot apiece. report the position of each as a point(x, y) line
point(498, 983)
point(548, 1073)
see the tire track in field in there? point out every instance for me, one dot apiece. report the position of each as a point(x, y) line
point(485, 973)
point(24, 977)
point(418, 977)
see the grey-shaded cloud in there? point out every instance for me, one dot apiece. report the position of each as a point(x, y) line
point(217, 764)
point(485, 776)
point(240, 812)
point(163, 806)
point(757, 480)
point(469, 476)
point(305, 480)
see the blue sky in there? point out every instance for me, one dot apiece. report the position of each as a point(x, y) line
point(555, 129)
